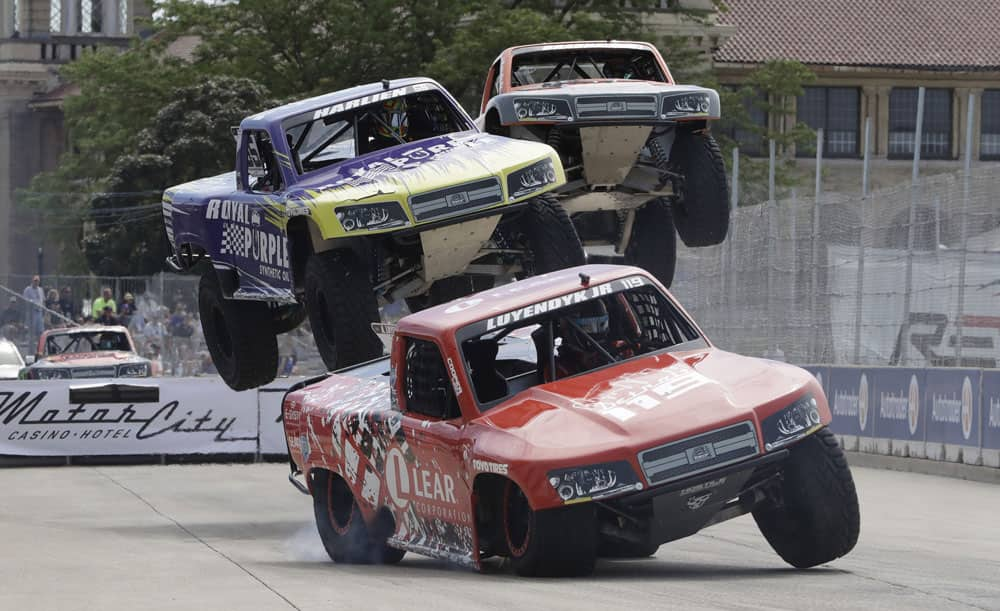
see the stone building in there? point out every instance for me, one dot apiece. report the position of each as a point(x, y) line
point(36, 37)
point(870, 58)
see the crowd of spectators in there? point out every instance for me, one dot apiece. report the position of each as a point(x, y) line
point(168, 331)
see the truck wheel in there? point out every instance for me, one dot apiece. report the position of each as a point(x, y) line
point(551, 543)
point(239, 336)
point(547, 232)
point(817, 518)
point(442, 291)
point(341, 305)
point(341, 526)
point(701, 210)
point(653, 243)
point(285, 318)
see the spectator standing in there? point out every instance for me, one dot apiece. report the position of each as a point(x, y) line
point(34, 317)
point(67, 304)
point(107, 317)
point(105, 300)
point(127, 309)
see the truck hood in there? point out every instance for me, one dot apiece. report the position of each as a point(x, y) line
point(602, 86)
point(646, 402)
point(89, 359)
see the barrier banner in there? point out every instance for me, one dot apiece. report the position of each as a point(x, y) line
point(952, 404)
point(98, 417)
point(847, 390)
point(272, 429)
point(990, 416)
point(896, 404)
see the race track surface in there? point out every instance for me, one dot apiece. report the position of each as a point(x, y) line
point(240, 537)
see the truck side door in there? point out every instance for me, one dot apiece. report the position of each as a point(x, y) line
point(432, 488)
point(251, 226)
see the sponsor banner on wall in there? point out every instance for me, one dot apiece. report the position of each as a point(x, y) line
point(896, 403)
point(990, 416)
point(150, 416)
point(848, 392)
point(272, 429)
point(951, 400)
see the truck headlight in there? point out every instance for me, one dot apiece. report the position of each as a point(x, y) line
point(537, 109)
point(51, 374)
point(369, 217)
point(530, 179)
point(593, 482)
point(796, 421)
point(687, 104)
point(133, 370)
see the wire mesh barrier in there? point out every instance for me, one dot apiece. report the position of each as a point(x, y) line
point(905, 276)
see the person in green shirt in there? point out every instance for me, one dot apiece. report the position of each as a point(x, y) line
point(105, 300)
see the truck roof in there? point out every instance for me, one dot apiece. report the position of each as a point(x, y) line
point(581, 44)
point(309, 105)
point(459, 313)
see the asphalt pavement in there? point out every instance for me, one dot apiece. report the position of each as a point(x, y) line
point(240, 537)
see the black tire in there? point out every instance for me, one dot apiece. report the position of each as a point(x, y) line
point(442, 291)
point(547, 232)
point(285, 318)
point(701, 208)
point(341, 305)
point(551, 543)
point(239, 336)
point(342, 527)
point(611, 548)
point(818, 519)
point(653, 243)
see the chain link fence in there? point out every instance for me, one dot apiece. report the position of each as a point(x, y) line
point(906, 276)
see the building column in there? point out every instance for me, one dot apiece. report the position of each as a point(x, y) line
point(6, 188)
point(869, 108)
point(977, 122)
point(881, 122)
point(35, 17)
point(109, 17)
point(6, 18)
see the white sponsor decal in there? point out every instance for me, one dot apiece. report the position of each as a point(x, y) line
point(536, 309)
point(422, 483)
point(697, 502)
point(485, 466)
point(454, 377)
point(371, 99)
point(351, 458)
point(712, 483)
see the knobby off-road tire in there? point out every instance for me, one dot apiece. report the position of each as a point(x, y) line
point(819, 519)
point(342, 305)
point(701, 210)
point(341, 526)
point(239, 336)
point(653, 243)
point(558, 542)
point(547, 231)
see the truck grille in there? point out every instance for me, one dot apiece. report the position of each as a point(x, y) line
point(454, 200)
point(701, 453)
point(606, 107)
point(93, 372)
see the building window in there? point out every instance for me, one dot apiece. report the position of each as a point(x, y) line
point(989, 138)
point(935, 141)
point(123, 16)
point(835, 110)
point(55, 16)
point(745, 126)
point(91, 14)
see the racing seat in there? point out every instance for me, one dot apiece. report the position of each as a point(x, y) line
point(489, 383)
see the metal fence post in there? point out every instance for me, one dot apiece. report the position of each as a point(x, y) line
point(914, 194)
point(771, 238)
point(728, 275)
point(814, 278)
point(960, 310)
point(859, 298)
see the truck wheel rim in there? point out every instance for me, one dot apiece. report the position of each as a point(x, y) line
point(518, 520)
point(340, 519)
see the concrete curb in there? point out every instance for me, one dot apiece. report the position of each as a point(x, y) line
point(974, 473)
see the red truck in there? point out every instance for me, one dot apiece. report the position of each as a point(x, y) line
point(573, 415)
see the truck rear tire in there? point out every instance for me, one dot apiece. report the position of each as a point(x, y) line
point(653, 243)
point(341, 526)
point(701, 209)
point(342, 305)
point(548, 233)
point(239, 336)
point(818, 519)
point(558, 542)
point(285, 318)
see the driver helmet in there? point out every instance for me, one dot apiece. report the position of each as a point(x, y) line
point(108, 341)
point(590, 317)
point(395, 119)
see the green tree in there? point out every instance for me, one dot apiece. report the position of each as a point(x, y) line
point(189, 138)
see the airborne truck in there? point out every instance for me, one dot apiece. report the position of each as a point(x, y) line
point(343, 202)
